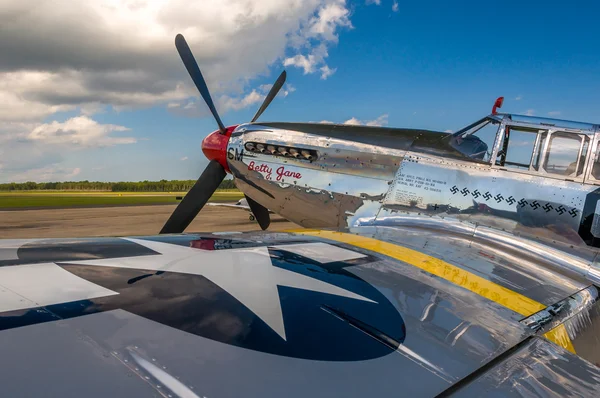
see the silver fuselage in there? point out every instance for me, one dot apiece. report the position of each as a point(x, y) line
point(357, 177)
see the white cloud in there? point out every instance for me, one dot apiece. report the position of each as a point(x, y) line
point(309, 63)
point(48, 173)
point(288, 89)
point(326, 71)
point(380, 121)
point(395, 6)
point(121, 53)
point(92, 109)
point(264, 88)
point(554, 113)
point(237, 103)
point(316, 34)
point(183, 159)
point(195, 107)
point(530, 112)
point(79, 131)
point(304, 62)
point(32, 95)
point(34, 151)
point(18, 109)
point(449, 131)
point(353, 121)
point(519, 97)
point(329, 18)
point(94, 56)
point(284, 91)
point(376, 2)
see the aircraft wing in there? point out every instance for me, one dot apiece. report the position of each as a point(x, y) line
point(372, 312)
point(235, 206)
point(241, 204)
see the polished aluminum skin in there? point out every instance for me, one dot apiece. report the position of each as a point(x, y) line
point(375, 176)
point(580, 314)
point(347, 180)
point(365, 171)
point(175, 332)
point(537, 369)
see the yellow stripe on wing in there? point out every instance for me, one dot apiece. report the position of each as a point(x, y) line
point(560, 336)
point(499, 294)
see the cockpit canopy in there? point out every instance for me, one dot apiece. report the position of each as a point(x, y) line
point(534, 145)
point(476, 140)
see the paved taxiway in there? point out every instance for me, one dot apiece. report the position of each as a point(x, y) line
point(121, 221)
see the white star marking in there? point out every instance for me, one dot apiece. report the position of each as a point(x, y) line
point(247, 274)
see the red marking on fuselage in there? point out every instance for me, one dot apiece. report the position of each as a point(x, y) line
point(280, 173)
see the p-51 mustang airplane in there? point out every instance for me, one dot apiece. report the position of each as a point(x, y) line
point(444, 265)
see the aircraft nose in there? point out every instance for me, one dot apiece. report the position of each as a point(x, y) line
point(214, 146)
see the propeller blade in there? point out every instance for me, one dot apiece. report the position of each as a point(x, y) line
point(272, 93)
point(192, 67)
point(195, 199)
point(260, 212)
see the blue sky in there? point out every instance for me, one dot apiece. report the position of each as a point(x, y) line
point(434, 65)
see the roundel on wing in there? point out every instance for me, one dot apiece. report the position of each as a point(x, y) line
point(299, 300)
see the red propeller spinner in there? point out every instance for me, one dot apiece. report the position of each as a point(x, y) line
point(214, 146)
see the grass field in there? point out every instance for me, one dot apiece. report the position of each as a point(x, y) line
point(60, 199)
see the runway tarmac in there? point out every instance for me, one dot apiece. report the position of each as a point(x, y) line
point(122, 221)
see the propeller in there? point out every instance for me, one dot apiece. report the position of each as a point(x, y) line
point(272, 94)
point(195, 199)
point(192, 67)
point(214, 147)
point(260, 212)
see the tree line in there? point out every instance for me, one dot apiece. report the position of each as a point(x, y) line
point(130, 186)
